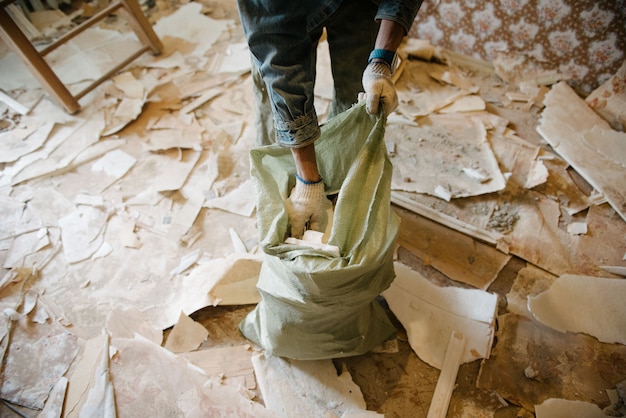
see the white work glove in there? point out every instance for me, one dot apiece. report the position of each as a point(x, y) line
point(307, 203)
point(379, 88)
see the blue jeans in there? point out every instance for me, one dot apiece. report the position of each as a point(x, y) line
point(284, 81)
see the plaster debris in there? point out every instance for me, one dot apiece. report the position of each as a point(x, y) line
point(115, 164)
point(48, 350)
point(563, 408)
point(565, 123)
point(465, 104)
point(593, 305)
point(126, 111)
point(188, 23)
point(24, 245)
point(530, 281)
point(537, 174)
point(85, 57)
point(236, 59)
point(100, 399)
point(420, 94)
point(448, 156)
point(240, 201)
point(82, 233)
point(611, 144)
point(233, 278)
point(59, 150)
point(411, 298)
point(23, 140)
point(54, 404)
point(305, 388)
point(315, 239)
point(232, 364)
point(577, 228)
point(128, 84)
point(185, 390)
point(187, 335)
point(127, 322)
point(187, 261)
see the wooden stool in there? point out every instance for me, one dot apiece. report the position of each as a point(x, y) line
point(35, 62)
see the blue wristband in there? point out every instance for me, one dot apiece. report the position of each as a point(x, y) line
point(383, 54)
point(301, 180)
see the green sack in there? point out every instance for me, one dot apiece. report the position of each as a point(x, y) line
point(315, 305)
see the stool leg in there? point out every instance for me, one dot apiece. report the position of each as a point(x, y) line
point(26, 52)
point(141, 26)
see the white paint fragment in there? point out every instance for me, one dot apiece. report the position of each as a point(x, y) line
point(54, 404)
point(131, 87)
point(537, 174)
point(184, 218)
point(89, 200)
point(115, 163)
point(21, 141)
point(577, 228)
point(187, 335)
point(104, 250)
point(292, 388)
point(591, 305)
point(430, 314)
point(443, 193)
point(186, 262)
point(237, 59)
point(41, 315)
point(125, 323)
point(199, 288)
point(100, 400)
point(24, 245)
point(238, 244)
point(188, 23)
point(562, 408)
point(240, 201)
point(81, 378)
point(478, 175)
point(82, 233)
point(184, 390)
point(314, 239)
point(126, 111)
point(619, 270)
point(68, 143)
point(85, 57)
point(447, 156)
point(610, 143)
point(569, 126)
point(470, 103)
point(231, 364)
point(127, 235)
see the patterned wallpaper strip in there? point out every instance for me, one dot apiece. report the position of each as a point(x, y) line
point(585, 41)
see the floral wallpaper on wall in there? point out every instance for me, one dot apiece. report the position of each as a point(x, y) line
point(585, 41)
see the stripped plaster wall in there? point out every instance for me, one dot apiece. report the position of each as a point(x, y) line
point(584, 41)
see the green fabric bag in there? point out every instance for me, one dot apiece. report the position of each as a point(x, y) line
point(314, 305)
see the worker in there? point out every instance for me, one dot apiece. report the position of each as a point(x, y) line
point(363, 36)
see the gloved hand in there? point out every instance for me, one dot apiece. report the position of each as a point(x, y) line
point(307, 203)
point(379, 88)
